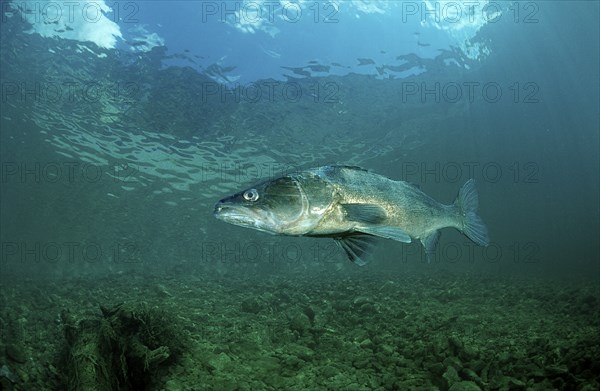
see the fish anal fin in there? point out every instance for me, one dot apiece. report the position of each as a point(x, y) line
point(386, 232)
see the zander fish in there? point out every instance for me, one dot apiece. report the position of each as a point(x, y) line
point(353, 206)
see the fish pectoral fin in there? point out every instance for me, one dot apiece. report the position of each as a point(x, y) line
point(357, 247)
point(393, 233)
point(365, 213)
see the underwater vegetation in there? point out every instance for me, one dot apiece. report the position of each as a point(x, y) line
point(120, 350)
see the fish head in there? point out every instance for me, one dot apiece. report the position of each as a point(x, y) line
point(280, 206)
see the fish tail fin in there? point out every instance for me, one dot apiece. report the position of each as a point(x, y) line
point(470, 223)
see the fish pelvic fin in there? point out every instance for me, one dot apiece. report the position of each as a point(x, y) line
point(357, 247)
point(430, 242)
point(470, 223)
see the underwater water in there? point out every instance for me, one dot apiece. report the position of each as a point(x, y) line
point(122, 124)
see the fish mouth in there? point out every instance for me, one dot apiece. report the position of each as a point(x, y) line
point(242, 216)
point(233, 215)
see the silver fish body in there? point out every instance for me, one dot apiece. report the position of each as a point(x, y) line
point(353, 206)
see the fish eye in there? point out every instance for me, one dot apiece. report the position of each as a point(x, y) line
point(251, 195)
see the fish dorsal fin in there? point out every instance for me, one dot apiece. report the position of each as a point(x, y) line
point(357, 247)
point(364, 213)
point(393, 233)
point(348, 167)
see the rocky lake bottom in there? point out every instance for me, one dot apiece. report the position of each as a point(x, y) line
point(364, 331)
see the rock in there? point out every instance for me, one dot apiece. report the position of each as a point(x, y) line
point(589, 387)
point(219, 362)
point(5, 372)
point(300, 323)
point(368, 308)
point(556, 370)
point(516, 384)
point(436, 368)
point(589, 299)
point(354, 387)
point(300, 351)
point(477, 365)
point(467, 353)
point(453, 361)
point(558, 383)
point(361, 363)
point(455, 344)
point(16, 353)
point(251, 305)
point(465, 386)
point(451, 376)
point(508, 383)
point(360, 300)
point(162, 291)
point(22, 375)
point(469, 374)
point(292, 362)
point(387, 349)
point(268, 364)
point(341, 305)
point(329, 371)
point(309, 312)
point(366, 344)
point(503, 358)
